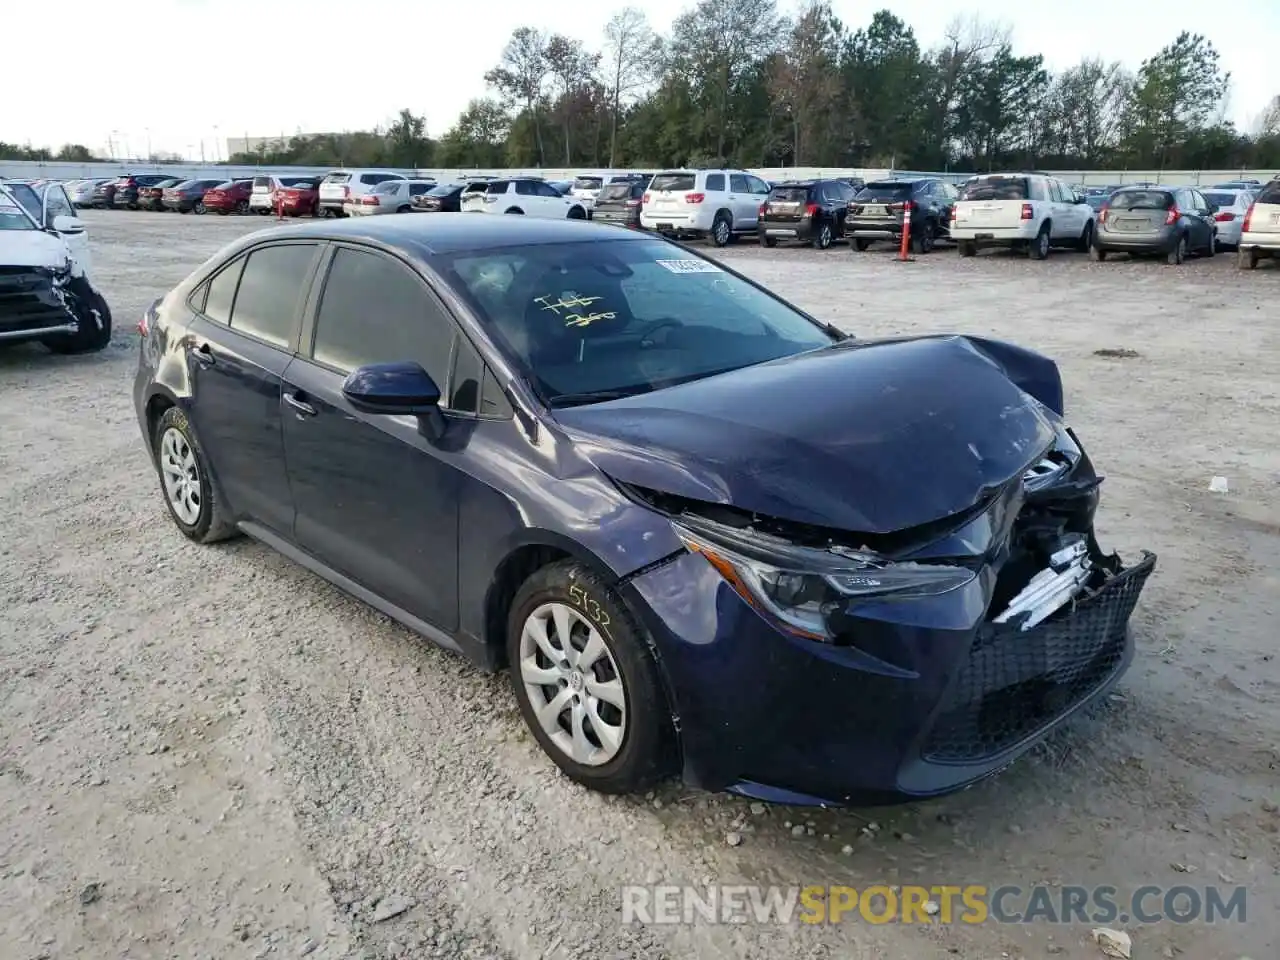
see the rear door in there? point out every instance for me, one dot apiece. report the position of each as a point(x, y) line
point(241, 340)
point(263, 188)
point(993, 203)
point(667, 192)
point(333, 188)
point(746, 204)
point(375, 499)
point(1265, 216)
point(1138, 211)
point(785, 204)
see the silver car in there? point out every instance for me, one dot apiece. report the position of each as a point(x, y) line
point(1233, 204)
point(1172, 222)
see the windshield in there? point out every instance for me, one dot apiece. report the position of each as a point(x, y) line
point(303, 182)
point(789, 194)
point(996, 188)
point(1222, 199)
point(617, 191)
point(588, 183)
point(623, 316)
point(1140, 200)
point(337, 178)
point(11, 215)
point(29, 199)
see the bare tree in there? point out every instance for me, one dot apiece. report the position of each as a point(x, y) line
point(522, 74)
point(1269, 124)
point(805, 81)
point(572, 68)
point(632, 58)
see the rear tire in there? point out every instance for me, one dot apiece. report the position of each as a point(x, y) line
point(1212, 248)
point(1039, 249)
point(1096, 254)
point(404, 209)
point(967, 248)
point(199, 208)
point(860, 244)
point(1179, 252)
point(722, 229)
point(768, 241)
point(174, 445)
point(1246, 259)
point(515, 211)
point(93, 336)
point(1086, 238)
point(242, 207)
point(624, 666)
point(823, 240)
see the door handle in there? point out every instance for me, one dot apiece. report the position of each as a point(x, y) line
point(301, 407)
point(204, 356)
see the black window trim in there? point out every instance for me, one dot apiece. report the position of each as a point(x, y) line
point(299, 316)
point(307, 334)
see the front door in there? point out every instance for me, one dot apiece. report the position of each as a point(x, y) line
point(376, 500)
point(58, 204)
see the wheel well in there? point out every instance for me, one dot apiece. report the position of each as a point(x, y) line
point(156, 407)
point(725, 212)
point(511, 574)
point(578, 209)
point(513, 210)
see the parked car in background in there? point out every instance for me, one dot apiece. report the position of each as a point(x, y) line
point(188, 196)
point(1252, 185)
point(301, 197)
point(82, 191)
point(587, 188)
point(105, 193)
point(339, 186)
point(442, 198)
point(1024, 211)
point(46, 287)
point(856, 182)
point(1171, 222)
point(1260, 232)
point(1231, 204)
point(878, 212)
point(230, 196)
point(524, 196)
point(391, 196)
point(810, 211)
point(127, 187)
point(1096, 201)
point(717, 204)
point(152, 197)
point(897, 595)
point(562, 187)
point(262, 198)
point(619, 203)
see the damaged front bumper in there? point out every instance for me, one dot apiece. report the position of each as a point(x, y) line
point(908, 695)
point(41, 302)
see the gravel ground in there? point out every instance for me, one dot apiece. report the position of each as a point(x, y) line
point(208, 752)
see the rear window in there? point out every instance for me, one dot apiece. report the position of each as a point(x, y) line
point(789, 194)
point(588, 183)
point(673, 181)
point(1141, 200)
point(1270, 193)
point(884, 191)
point(337, 178)
point(1221, 199)
point(618, 191)
point(996, 188)
point(297, 181)
point(264, 182)
point(444, 190)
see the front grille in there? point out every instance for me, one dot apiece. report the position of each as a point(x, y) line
point(1018, 681)
point(27, 301)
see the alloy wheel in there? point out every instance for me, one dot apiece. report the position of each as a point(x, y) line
point(199, 207)
point(181, 475)
point(573, 684)
point(722, 232)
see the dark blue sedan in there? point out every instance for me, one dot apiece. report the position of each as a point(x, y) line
point(707, 533)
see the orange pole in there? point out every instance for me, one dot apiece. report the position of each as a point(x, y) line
point(905, 250)
point(279, 206)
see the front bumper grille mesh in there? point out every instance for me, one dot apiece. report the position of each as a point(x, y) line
point(1016, 682)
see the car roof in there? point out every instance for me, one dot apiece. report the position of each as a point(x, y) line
point(445, 233)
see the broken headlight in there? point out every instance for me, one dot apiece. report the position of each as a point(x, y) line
point(799, 588)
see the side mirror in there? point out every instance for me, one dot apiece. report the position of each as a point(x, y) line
point(65, 224)
point(392, 388)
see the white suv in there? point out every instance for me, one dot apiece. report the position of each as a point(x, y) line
point(701, 203)
point(340, 186)
point(1024, 210)
point(523, 195)
point(1260, 232)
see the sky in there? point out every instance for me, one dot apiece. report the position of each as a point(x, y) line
point(211, 68)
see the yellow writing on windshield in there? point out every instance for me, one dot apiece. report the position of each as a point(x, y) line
point(567, 305)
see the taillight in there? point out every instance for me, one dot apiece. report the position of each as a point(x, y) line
point(954, 215)
point(645, 198)
point(810, 211)
point(144, 328)
point(1173, 216)
point(763, 209)
point(633, 203)
point(1248, 219)
point(1102, 213)
point(694, 197)
point(370, 201)
point(1224, 217)
point(1028, 213)
point(346, 193)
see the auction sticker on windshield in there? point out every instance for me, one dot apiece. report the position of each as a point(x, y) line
point(689, 266)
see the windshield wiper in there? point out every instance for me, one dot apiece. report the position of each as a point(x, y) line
point(588, 396)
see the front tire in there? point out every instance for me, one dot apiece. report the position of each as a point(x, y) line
point(585, 681)
point(199, 208)
point(1086, 238)
point(1039, 249)
point(185, 482)
point(94, 334)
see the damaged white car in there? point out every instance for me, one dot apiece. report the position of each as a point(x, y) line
point(46, 291)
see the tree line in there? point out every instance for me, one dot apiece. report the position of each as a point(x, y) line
point(737, 82)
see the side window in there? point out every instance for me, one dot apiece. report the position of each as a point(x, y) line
point(715, 182)
point(406, 324)
point(526, 188)
point(1055, 191)
point(222, 292)
point(472, 388)
point(1202, 204)
point(545, 189)
point(271, 287)
point(758, 185)
point(418, 189)
point(737, 183)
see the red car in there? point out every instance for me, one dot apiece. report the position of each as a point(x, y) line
point(301, 198)
point(229, 197)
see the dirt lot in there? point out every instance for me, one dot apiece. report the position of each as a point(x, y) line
point(208, 752)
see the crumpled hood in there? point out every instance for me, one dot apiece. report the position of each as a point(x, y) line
point(870, 437)
point(31, 248)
